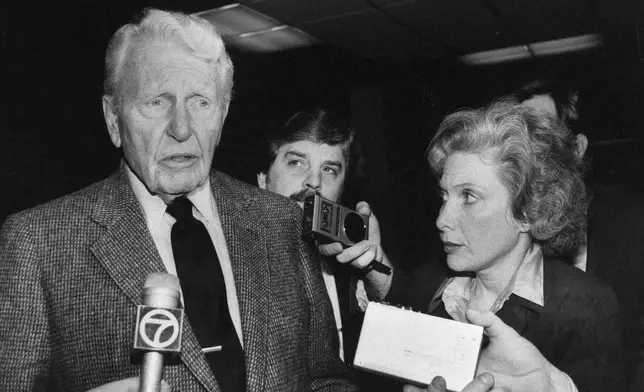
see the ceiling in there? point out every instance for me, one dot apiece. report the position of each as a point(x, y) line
point(433, 29)
point(405, 30)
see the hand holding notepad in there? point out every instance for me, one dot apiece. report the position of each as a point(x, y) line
point(417, 347)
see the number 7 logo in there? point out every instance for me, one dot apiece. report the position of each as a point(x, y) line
point(158, 329)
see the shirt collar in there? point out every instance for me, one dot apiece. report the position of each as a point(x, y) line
point(154, 207)
point(529, 280)
point(527, 283)
point(204, 202)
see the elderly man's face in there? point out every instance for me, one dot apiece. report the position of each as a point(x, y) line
point(304, 168)
point(169, 120)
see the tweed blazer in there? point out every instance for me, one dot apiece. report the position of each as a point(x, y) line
point(72, 272)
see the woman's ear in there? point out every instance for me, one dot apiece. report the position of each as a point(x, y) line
point(524, 227)
point(523, 224)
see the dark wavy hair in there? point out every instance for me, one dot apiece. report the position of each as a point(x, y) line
point(317, 125)
point(536, 163)
point(565, 98)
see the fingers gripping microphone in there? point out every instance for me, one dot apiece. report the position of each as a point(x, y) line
point(159, 322)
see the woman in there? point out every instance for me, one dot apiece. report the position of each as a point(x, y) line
point(513, 193)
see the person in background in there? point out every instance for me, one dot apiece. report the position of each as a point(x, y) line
point(313, 153)
point(513, 194)
point(613, 249)
point(72, 270)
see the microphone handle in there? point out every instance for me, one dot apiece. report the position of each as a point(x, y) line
point(152, 365)
point(150, 380)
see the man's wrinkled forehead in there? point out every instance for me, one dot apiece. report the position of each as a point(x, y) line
point(295, 145)
point(143, 59)
point(314, 150)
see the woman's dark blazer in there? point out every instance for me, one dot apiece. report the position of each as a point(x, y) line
point(578, 329)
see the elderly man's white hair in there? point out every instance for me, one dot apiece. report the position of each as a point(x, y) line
point(199, 38)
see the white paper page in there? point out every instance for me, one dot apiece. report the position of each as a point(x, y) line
point(417, 347)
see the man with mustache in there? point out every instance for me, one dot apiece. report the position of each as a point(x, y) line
point(312, 154)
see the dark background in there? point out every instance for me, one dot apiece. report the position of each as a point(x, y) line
point(54, 138)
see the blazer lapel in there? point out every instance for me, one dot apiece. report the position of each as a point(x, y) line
point(246, 242)
point(128, 253)
point(125, 249)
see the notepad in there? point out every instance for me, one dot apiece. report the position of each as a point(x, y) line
point(416, 347)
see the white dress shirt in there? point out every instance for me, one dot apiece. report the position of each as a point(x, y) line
point(205, 210)
point(332, 290)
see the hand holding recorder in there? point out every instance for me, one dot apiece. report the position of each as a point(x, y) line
point(353, 237)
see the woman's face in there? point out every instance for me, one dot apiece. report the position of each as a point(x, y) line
point(476, 224)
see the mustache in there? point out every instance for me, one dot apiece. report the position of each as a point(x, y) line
point(301, 195)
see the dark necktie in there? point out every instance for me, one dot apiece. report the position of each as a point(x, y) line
point(204, 296)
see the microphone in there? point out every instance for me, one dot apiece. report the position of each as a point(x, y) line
point(159, 325)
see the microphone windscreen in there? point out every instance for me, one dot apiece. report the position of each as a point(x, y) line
point(162, 289)
point(162, 279)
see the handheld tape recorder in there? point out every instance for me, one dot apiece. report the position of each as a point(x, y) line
point(326, 221)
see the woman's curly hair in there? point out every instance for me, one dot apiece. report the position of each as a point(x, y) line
point(537, 164)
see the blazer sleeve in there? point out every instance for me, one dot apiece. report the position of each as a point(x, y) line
point(327, 371)
point(592, 356)
point(24, 329)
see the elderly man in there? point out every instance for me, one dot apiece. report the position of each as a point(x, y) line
point(72, 270)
